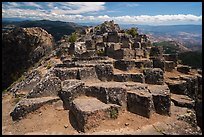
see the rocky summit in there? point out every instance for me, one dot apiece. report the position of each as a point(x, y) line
point(107, 81)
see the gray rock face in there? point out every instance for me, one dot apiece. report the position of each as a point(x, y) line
point(138, 77)
point(153, 76)
point(139, 101)
point(158, 63)
point(124, 64)
point(48, 86)
point(136, 45)
point(139, 53)
point(90, 45)
point(89, 112)
point(161, 98)
point(122, 77)
point(66, 73)
point(87, 73)
point(184, 69)
point(124, 53)
point(177, 86)
point(171, 57)
point(71, 89)
point(156, 51)
point(25, 106)
point(182, 101)
point(113, 37)
point(169, 65)
point(104, 72)
point(144, 63)
point(191, 85)
point(28, 83)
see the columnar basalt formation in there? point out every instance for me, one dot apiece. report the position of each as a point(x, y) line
point(110, 72)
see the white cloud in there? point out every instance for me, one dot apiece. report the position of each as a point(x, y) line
point(74, 11)
point(132, 5)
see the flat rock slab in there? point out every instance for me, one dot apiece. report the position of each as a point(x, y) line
point(153, 76)
point(184, 69)
point(66, 73)
point(182, 101)
point(25, 106)
point(89, 112)
point(161, 98)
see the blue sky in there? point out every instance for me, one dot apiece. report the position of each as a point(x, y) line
point(147, 13)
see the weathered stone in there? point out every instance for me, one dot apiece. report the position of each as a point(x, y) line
point(90, 45)
point(71, 89)
point(124, 53)
point(136, 45)
point(113, 37)
point(139, 101)
point(86, 54)
point(122, 77)
point(25, 106)
point(138, 77)
point(144, 63)
point(100, 46)
point(191, 85)
point(89, 112)
point(126, 41)
point(124, 64)
point(111, 48)
point(184, 69)
point(199, 112)
point(66, 73)
point(48, 86)
point(139, 53)
point(97, 38)
point(153, 76)
point(77, 47)
point(104, 72)
point(182, 101)
point(28, 83)
point(87, 73)
point(156, 51)
point(161, 98)
point(158, 63)
point(171, 57)
point(116, 95)
point(169, 65)
point(177, 86)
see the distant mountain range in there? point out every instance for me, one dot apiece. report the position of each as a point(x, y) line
point(188, 35)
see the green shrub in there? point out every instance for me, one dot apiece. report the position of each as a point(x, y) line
point(73, 38)
point(49, 65)
point(133, 32)
point(114, 113)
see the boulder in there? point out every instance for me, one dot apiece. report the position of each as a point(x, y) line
point(171, 57)
point(48, 86)
point(25, 106)
point(104, 72)
point(136, 45)
point(161, 98)
point(89, 112)
point(153, 76)
point(139, 101)
point(71, 89)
